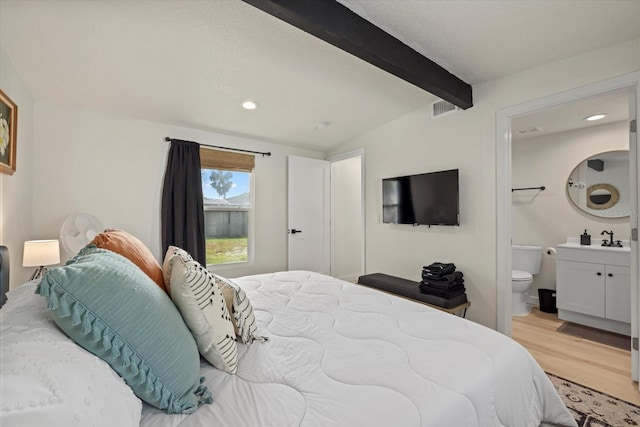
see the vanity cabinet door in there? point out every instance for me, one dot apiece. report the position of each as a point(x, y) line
point(618, 293)
point(580, 287)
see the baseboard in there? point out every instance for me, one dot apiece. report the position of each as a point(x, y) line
point(533, 301)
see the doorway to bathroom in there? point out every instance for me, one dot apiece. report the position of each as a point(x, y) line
point(521, 165)
point(557, 157)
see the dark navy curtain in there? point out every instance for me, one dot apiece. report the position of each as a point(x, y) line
point(182, 205)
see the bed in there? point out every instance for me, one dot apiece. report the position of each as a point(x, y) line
point(336, 354)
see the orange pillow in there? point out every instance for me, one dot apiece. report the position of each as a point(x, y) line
point(133, 249)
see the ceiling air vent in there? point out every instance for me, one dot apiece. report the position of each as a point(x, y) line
point(528, 130)
point(441, 108)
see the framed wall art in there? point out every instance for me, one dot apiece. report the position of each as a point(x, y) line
point(8, 134)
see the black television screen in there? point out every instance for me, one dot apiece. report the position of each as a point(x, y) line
point(424, 199)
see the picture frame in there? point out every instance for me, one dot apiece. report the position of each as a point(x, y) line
point(8, 134)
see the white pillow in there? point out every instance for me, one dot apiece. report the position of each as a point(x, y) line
point(238, 304)
point(48, 380)
point(195, 293)
point(166, 264)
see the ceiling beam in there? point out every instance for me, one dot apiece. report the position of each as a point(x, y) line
point(338, 25)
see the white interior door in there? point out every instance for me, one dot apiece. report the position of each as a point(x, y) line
point(309, 214)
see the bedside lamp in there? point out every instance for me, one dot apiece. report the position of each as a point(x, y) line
point(38, 253)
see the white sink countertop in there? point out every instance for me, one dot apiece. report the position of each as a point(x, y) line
point(574, 242)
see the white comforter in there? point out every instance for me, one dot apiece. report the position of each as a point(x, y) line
point(340, 354)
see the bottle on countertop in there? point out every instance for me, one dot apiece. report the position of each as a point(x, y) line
point(585, 239)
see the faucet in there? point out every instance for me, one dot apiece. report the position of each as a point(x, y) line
point(610, 242)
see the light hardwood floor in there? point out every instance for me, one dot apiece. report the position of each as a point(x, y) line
point(598, 366)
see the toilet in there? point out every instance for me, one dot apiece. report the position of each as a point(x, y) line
point(525, 262)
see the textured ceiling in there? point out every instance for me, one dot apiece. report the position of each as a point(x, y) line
point(192, 63)
point(572, 116)
point(480, 40)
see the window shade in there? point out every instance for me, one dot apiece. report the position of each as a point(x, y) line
point(226, 160)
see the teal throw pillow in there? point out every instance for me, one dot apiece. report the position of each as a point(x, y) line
point(107, 305)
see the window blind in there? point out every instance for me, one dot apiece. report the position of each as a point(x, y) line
point(211, 158)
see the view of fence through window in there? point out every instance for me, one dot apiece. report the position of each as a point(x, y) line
point(227, 202)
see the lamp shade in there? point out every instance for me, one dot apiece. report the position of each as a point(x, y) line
point(38, 253)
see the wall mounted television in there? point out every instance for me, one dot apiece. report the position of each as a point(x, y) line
point(423, 199)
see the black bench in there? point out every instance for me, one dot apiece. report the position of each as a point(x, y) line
point(409, 289)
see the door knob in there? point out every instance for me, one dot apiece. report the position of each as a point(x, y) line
point(294, 231)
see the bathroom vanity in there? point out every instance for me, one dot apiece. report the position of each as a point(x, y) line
point(593, 285)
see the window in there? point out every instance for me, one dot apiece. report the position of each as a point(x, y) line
point(228, 204)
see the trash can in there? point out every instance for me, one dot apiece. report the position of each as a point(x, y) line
point(547, 300)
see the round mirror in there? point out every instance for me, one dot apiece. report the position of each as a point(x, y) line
point(599, 185)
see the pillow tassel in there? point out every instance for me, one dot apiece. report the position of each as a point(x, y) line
point(245, 331)
point(106, 341)
point(164, 402)
point(158, 390)
point(126, 356)
point(176, 408)
point(135, 361)
point(151, 379)
point(87, 321)
point(53, 299)
point(78, 311)
point(64, 306)
point(143, 373)
point(98, 327)
point(257, 338)
point(116, 345)
point(207, 398)
point(43, 288)
point(203, 393)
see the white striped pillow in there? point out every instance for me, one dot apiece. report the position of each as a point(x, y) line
point(239, 306)
point(203, 308)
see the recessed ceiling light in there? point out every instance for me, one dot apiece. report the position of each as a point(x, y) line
point(595, 117)
point(249, 105)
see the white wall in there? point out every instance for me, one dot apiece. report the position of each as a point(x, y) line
point(16, 191)
point(113, 167)
point(346, 218)
point(467, 141)
point(547, 218)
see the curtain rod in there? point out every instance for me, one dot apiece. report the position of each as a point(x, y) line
point(541, 188)
point(217, 146)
